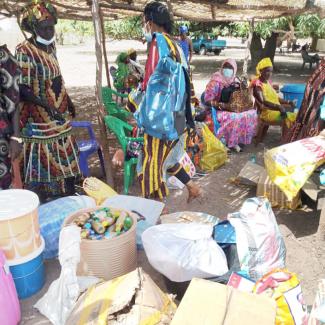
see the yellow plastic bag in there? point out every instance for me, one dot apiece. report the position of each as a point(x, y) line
point(214, 153)
point(97, 189)
point(284, 287)
point(289, 166)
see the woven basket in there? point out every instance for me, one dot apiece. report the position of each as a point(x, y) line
point(107, 258)
point(240, 101)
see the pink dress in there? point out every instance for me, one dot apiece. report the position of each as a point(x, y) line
point(235, 128)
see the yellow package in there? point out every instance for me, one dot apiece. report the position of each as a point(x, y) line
point(289, 166)
point(214, 153)
point(284, 287)
point(97, 189)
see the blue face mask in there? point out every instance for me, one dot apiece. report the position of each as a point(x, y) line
point(228, 73)
point(147, 35)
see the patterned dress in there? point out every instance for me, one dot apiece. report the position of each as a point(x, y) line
point(50, 151)
point(235, 128)
point(9, 98)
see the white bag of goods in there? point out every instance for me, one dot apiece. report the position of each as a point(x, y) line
point(260, 244)
point(184, 251)
point(52, 215)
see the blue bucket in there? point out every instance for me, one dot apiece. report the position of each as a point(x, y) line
point(28, 273)
point(294, 91)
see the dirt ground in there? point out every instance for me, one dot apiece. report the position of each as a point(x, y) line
point(304, 250)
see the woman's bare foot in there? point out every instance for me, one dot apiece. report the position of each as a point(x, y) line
point(118, 158)
point(194, 191)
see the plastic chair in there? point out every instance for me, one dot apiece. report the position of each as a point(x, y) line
point(122, 130)
point(88, 147)
point(112, 108)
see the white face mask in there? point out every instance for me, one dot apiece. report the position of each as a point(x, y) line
point(147, 34)
point(43, 41)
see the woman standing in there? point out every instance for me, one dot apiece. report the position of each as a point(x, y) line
point(309, 121)
point(50, 163)
point(160, 156)
point(10, 141)
point(235, 128)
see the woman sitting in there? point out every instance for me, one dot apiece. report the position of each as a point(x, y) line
point(272, 108)
point(235, 128)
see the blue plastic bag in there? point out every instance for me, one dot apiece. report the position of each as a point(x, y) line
point(52, 215)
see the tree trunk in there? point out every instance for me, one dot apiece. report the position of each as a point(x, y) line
point(256, 50)
point(314, 41)
point(270, 47)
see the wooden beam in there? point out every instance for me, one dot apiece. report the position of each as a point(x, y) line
point(100, 106)
point(247, 51)
point(104, 49)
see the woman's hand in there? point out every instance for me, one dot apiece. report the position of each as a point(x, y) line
point(55, 114)
point(71, 108)
point(283, 111)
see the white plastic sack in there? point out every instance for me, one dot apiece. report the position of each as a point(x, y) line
point(260, 244)
point(184, 251)
point(63, 293)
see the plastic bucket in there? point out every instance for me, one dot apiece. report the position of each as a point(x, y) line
point(107, 258)
point(28, 273)
point(294, 91)
point(19, 227)
point(10, 308)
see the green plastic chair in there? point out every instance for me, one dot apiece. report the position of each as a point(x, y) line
point(111, 107)
point(122, 131)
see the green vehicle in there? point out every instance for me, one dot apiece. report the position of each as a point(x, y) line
point(208, 44)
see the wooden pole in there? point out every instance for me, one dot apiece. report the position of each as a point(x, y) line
point(104, 49)
point(249, 42)
point(100, 106)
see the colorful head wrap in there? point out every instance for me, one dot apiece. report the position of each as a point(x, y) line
point(35, 12)
point(264, 63)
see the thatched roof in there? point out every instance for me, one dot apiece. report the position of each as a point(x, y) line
point(194, 10)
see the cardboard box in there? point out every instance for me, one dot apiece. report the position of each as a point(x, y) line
point(250, 174)
point(210, 303)
point(272, 192)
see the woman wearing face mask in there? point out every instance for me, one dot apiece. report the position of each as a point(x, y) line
point(272, 108)
point(160, 156)
point(235, 128)
point(49, 162)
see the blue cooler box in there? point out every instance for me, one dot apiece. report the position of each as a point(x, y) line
point(28, 273)
point(294, 91)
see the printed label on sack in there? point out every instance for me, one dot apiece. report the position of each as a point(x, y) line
point(296, 304)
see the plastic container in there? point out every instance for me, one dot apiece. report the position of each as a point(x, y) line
point(19, 227)
point(107, 258)
point(9, 303)
point(294, 91)
point(28, 273)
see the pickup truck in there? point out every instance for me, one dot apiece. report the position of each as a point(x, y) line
point(203, 45)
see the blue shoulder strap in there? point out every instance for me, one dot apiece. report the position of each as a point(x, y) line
point(162, 45)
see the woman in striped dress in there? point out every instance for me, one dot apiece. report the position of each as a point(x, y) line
point(49, 161)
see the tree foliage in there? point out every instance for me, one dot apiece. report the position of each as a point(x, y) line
point(129, 28)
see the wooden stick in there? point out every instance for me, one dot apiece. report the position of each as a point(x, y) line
point(249, 42)
point(104, 49)
point(99, 73)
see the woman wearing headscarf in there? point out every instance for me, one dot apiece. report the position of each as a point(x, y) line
point(272, 108)
point(50, 159)
point(10, 139)
point(234, 128)
point(122, 72)
point(309, 120)
point(160, 156)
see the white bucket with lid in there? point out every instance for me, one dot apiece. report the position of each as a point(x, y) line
point(19, 227)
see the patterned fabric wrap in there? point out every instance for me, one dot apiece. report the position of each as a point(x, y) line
point(9, 98)
point(308, 122)
point(50, 151)
point(237, 128)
